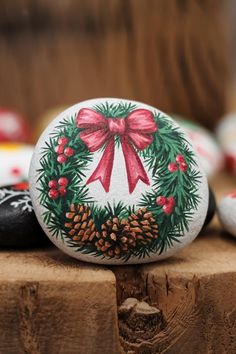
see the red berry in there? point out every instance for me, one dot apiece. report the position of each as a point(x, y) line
point(161, 200)
point(63, 181)
point(21, 186)
point(59, 149)
point(62, 141)
point(69, 152)
point(232, 194)
point(230, 163)
point(52, 184)
point(62, 191)
point(172, 167)
point(170, 201)
point(61, 158)
point(168, 209)
point(53, 194)
point(180, 159)
point(183, 167)
point(16, 171)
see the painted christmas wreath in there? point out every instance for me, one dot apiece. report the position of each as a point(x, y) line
point(157, 159)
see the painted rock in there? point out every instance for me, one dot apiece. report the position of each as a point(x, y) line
point(227, 212)
point(46, 119)
point(209, 152)
point(116, 181)
point(14, 162)
point(226, 135)
point(13, 127)
point(18, 224)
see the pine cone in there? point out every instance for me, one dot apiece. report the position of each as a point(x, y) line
point(80, 224)
point(120, 237)
point(115, 238)
point(144, 226)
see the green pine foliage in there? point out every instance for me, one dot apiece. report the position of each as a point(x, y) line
point(183, 186)
point(74, 170)
point(167, 143)
point(115, 110)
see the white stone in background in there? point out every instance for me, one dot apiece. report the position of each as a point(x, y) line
point(227, 212)
point(209, 152)
point(226, 135)
point(14, 161)
point(13, 127)
point(57, 185)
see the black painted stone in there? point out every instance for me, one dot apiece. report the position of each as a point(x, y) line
point(211, 208)
point(18, 224)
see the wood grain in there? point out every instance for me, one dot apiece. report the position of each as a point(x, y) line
point(195, 292)
point(155, 53)
point(51, 303)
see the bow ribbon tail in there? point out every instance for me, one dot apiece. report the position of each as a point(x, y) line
point(104, 168)
point(134, 167)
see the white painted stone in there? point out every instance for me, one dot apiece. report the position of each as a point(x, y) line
point(226, 135)
point(44, 193)
point(227, 212)
point(14, 162)
point(210, 154)
point(13, 127)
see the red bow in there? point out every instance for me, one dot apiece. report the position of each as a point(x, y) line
point(134, 131)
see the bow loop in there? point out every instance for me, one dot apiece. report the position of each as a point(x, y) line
point(94, 139)
point(134, 131)
point(142, 120)
point(88, 118)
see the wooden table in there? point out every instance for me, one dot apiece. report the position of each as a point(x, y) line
point(51, 303)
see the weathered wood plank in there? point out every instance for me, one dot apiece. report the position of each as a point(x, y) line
point(196, 294)
point(51, 304)
point(194, 290)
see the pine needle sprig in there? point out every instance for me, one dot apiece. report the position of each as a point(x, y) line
point(73, 169)
point(168, 143)
point(115, 110)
